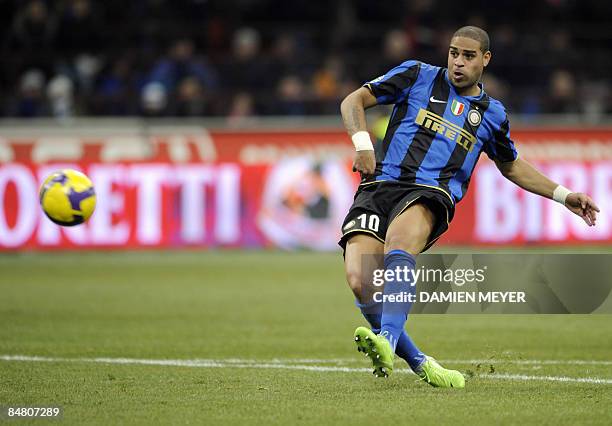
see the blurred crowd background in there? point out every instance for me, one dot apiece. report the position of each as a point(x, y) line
point(242, 58)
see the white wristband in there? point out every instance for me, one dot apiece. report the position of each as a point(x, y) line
point(560, 194)
point(362, 141)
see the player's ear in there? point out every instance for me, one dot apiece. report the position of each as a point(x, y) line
point(486, 57)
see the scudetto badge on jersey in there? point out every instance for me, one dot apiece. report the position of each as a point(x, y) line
point(457, 107)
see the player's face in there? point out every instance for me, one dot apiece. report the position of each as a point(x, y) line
point(466, 62)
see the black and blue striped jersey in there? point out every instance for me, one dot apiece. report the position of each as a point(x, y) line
point(435, 136)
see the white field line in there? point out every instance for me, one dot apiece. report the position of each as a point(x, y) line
point(444, 361)
point(276, 364)
point(201, 363)
point(344, 361)
point(524, 377)
point(292, 361)
point(527, 361)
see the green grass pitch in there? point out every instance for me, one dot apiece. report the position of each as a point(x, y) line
point(266, 338)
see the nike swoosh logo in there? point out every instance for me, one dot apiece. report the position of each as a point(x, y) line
point(436, 101)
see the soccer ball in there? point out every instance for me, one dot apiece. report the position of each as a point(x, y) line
point(67, 197)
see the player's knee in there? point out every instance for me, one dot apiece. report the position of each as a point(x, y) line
point(410, 240)
point(353, 278)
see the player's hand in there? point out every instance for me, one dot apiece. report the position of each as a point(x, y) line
point(365, 162)
point(582, 205)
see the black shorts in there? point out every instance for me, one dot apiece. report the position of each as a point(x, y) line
point(377, 204)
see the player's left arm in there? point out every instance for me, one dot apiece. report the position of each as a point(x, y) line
point(530, 179)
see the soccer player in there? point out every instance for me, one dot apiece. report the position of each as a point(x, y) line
point(442, 121)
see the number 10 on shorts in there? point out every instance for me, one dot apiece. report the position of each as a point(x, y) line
point(370, 223)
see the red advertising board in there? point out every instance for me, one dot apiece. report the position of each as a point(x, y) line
point(275, 189)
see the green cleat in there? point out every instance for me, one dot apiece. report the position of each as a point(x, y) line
point(438, 376)
point(377, 348)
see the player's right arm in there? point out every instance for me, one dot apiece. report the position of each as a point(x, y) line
point(390, 88)
point(353, 109)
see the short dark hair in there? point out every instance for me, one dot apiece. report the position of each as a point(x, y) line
point(475, 33)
